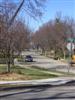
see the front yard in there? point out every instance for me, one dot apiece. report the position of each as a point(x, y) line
point(19, 73)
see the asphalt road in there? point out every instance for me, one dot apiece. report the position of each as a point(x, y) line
point(48, 63)
point(66, 92)
point(42, 61)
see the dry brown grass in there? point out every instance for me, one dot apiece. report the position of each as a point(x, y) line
point(13, 76)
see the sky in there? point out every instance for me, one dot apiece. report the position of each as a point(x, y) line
point(65, 7)
point(52, 7)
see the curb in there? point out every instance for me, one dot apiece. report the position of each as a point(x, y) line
point(33, 83)
point(3, 92)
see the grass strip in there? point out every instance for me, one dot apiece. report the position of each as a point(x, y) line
point(26, 73)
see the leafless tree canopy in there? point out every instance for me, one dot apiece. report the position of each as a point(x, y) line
point(54, 35)
point(15, 37)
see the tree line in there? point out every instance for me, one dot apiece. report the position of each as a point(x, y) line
point(54, 35)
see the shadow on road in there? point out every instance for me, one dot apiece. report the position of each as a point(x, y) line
point(54, 94)
point(53, 98)
point(32, 90)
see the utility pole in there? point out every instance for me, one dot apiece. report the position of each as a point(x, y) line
point(15, 14)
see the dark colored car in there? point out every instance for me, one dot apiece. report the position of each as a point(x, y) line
point(29, 58)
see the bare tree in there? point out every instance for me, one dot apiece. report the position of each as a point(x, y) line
point(15, 40)
point(8, 13)
point(53, 35)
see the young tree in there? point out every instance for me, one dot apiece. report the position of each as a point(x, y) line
point(8, 13)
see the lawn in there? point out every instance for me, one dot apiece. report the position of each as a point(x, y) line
point(18, 73)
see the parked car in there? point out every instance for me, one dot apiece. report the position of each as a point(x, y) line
point(29, 58)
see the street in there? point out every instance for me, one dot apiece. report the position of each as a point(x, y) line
point(42, 92)
point(43, 61)
point(37, 49)
point(48, 63)
point(65, 92)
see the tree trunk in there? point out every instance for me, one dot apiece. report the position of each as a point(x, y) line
point(64, 54)
point(8, 62)
point(8, 68)
point(12, 58)
point(13, 61)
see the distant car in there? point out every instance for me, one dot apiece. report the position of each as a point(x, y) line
point(29, 58)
